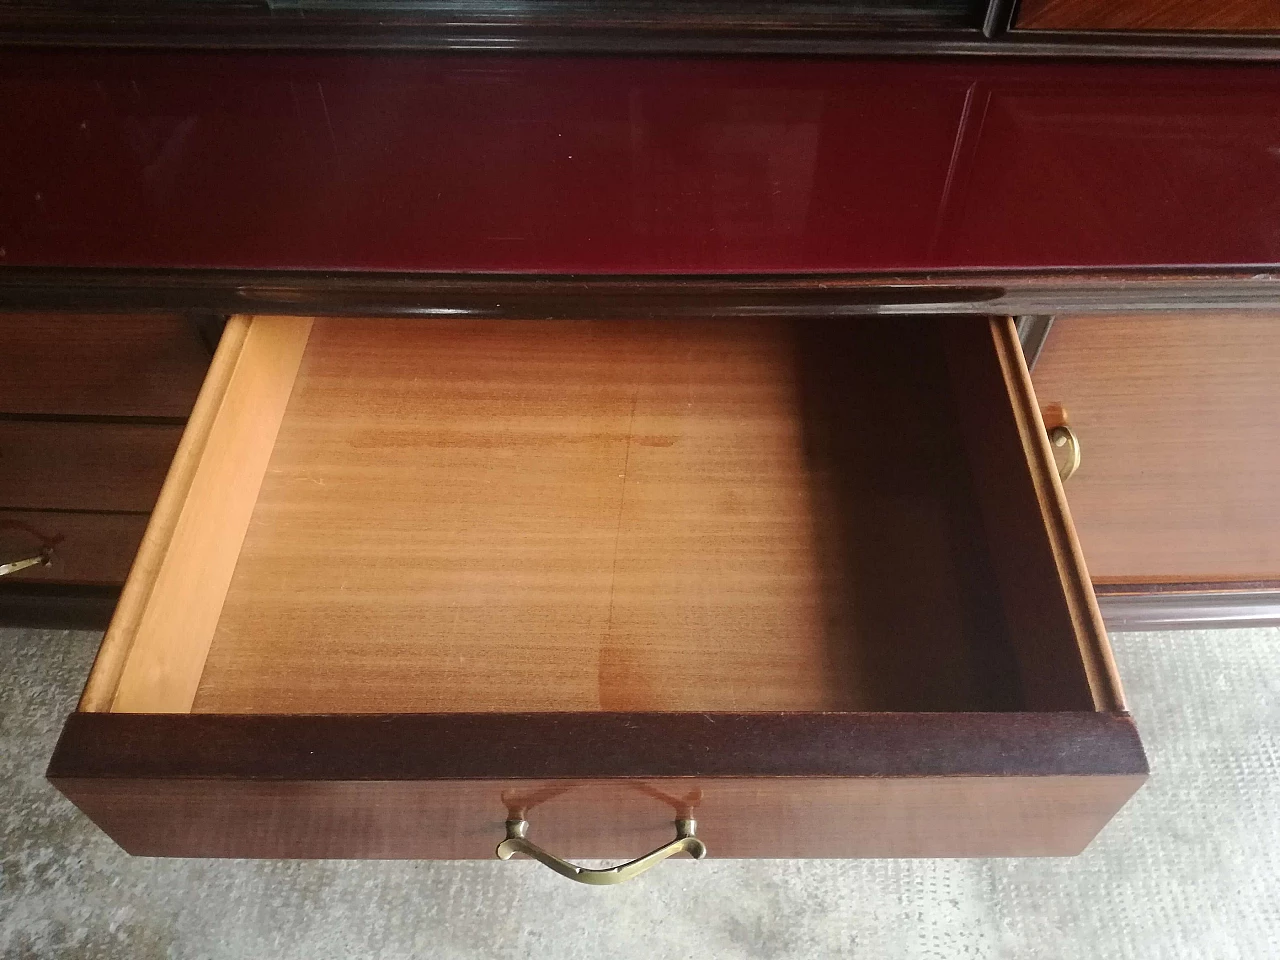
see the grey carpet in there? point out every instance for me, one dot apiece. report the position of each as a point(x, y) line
point(1189, 869)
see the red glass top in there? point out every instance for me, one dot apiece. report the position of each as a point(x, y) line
point(610, 165)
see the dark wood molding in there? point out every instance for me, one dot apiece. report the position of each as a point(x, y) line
point(595, 746)
point(998, 18)
point(563, 25)
point(356, 293)
point(819, 27)
point(56, 606)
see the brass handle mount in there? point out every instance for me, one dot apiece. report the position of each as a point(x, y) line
point(518, 841)
point(1066, 451)
point(43, 559)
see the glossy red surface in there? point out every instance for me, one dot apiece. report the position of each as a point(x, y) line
point(595, 165)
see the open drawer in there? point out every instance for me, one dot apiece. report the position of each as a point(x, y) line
point(811, 584)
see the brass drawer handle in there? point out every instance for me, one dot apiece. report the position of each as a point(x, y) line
point(1066, 451)
point(518, 842)
point(43, 558)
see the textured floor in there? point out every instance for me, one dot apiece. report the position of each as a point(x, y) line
point(1191, 868)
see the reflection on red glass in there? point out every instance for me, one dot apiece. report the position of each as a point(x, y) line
point(595, 165)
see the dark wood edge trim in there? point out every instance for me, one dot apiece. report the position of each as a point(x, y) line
point(814, 37)
point(1188, 607)
point(594, 746)
point(57, 606)
point(353, 293)
point(998, 18)
point(126, 419)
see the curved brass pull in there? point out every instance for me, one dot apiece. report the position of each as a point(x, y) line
point(43, 558)
point(518, 842)
point(1066, 451)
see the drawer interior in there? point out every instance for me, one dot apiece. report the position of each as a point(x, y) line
point(454, 515)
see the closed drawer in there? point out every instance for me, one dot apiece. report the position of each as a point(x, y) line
point(1176, 417)
point(64, 364)
point(59, 465)
point(81, 548)
point(813, 585)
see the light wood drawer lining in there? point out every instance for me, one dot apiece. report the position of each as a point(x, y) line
point(475, 430)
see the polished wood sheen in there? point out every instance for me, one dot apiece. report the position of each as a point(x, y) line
point(88, 548)
point(1212, 15)
point(517, 297)
point(886, 28)
point(357, 293)
point(53, 465)
point(128, 365)
point(1176, 414)
point(599, 26)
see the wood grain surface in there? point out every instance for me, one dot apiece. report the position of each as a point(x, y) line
point(1064, 659)
point(586, 745)
point(195, 535)
point(751, 817)
point(481, 515)
point(603, 785)
point(88, 548)
point(1176, 414)
point(1215, 15)
point(126, 365)
point(50, 465)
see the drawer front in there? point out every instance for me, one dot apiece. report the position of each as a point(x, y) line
point(1176, 418)
point(822, 818)
point(83, 466)
point(408, 579)
point(1239, 16)
point(83, 548)
point(62, 364)
point(908, 785)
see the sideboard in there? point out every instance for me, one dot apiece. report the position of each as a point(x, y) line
point(652, 394)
